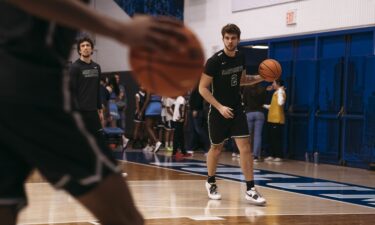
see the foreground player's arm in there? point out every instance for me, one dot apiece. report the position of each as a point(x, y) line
point(250, 79)
point(204, 90)
point(143, 31)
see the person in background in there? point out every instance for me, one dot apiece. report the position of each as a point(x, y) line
point(104, 96)
point(178, 121)
point(276, 121)
point(169, 129)
point(85, 85)
point(139, 119)
point(121, 103)
point(152, 111)
point(199, 121)
point(114, 112)
point(254, 97)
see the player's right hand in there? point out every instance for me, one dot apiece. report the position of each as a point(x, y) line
point(195, 113)
point(226, 112)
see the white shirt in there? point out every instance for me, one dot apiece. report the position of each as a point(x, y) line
point(180, 102)
point(168, 103)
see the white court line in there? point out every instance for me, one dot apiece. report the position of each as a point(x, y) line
point(95, 223)
point(205, 218)
point(266, 187)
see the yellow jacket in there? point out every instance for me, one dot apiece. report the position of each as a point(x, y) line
point(276, 110)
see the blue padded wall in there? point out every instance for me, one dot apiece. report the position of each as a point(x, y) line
point(330, 80)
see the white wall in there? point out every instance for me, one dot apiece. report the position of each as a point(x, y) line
point(206, 18)
point(110, 55)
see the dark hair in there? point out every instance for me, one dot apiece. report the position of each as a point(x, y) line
point(103, 79)
point(279, 82)
point(231, 28)
point(83, 39)
point(112, 82)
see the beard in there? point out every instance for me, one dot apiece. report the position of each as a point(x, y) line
point(230, 48)
point(86, 55)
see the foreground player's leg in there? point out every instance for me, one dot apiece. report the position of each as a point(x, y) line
point(112, 203)
point(8, 215)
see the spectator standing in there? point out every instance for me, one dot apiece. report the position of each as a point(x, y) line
point(276, 121)
point(254, 97)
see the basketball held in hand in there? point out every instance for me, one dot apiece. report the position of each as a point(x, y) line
point(170, 73)
point(270, 70)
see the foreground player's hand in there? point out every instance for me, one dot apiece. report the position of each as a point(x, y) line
point(195, 113)
point(226, 112)
point(154, 34)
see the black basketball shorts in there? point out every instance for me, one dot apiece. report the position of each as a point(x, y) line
point(221, 128)
point(64, 147)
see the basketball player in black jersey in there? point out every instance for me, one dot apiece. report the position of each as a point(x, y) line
point(224, 72)
point(38, 127)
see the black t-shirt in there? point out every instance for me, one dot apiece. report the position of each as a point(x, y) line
point(226, 73)
point(254, 98)
point(196, 100)
point(85, 85)
point(33, 54)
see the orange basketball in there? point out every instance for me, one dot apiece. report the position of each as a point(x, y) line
point(171, 73)
point(270, 70)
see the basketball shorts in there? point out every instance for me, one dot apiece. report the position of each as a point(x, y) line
point(161, 122)
point(138, 118)
point(221, 128)
point(168, 125)
point(66, 148)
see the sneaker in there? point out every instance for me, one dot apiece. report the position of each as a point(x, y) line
point(125, 142)
point(185, 155)
point(234, 154)
point(277, 159)
point(269, 158)
point(148, 148)
point(178, 157)
point(254, 197)
point(169, 148)
point(157, 147)
point(212, 191)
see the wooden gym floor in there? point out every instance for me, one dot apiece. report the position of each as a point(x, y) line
point(168, 195)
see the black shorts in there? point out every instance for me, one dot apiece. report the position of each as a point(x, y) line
point(221, 129)
point(63, 146)
point(139, 119)
point(168, 125)
point(161, 122)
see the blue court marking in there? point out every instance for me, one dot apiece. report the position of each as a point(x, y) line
point(343, 192)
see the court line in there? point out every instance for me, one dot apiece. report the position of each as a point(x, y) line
point(270, 188)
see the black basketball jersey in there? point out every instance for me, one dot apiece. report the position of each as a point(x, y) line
point(226, 73)
point(142, 98)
